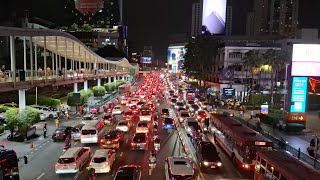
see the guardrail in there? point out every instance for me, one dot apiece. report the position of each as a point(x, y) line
point(102, 101)
point(279, 144)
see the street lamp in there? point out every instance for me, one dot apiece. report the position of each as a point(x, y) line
point(285, 88)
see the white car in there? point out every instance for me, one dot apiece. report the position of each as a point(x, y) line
point(142, 127)
point(117, 110)
point(124, 101)
point(178, 167)
point(47, 111)
point(123, 126)
point(132, 102)
point(102, 160)
point(183, 115)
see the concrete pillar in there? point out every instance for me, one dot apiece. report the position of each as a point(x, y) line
point(52, 63)
point(109, 79)
point(85, 85)
point(79, 58)
point(57, 67)
point(65, 58)
point(99, 82)
point(36, 59)
point(60, 67)
point(73, 58)
point(13, 59)
point(75, 87)
point(31, 58)
point(22, 99)
point(95, 66)
point(24, 54)
point(45, 56)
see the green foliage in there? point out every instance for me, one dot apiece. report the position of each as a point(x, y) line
point(86, 27)
point(272, 118)
point(121, 81)
point(47, 101)
point(109, 86)
point(99, 91)
point(2, 128)
point(84, 96)
point(258, 99)
point(12, 119)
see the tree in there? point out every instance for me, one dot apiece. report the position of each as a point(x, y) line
point(99, 91)
point(277, 60)
point(12, 120)
point(252, 61)
point(199, 57)
point(86, 27)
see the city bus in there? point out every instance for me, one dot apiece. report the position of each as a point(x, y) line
point(124, 88)
point(90, 131)
point(282, 165)
point(9, 169)
point(238, 141)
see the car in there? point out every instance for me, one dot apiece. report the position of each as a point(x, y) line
point(168, 123)
point(145, 114)
point(180, 104)
point(142, 127)
point(129, 172)
point(102, 160)
point(128, 115)
point(61, 133)
point(173, 101)
point(46, 111)
point(192, 126)
point(123, 126)
point(165, 112)
point(73, 160)
point(117, 110)
point(132, 102)
point(124, 101)
point(183, 115)
point(201, 115)
point(139, 141)
point(108, 118)
point(204, 105)
point(179, 168)
point(140, 104)
point(134, 109)
point(193, 109)
point(76, 132)
point(7, 106)
point(111, 139)
point(87, 118)
point(209, 156)
point(108, 107)
point(190, 102)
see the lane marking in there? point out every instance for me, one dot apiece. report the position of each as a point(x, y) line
point(127, 140)
point(40, 175)
point(121, 154)
point(76, 143)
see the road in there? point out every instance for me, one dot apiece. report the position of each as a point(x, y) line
point(41, 165)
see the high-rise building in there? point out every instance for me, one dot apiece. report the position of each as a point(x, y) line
point(250, 24)
point(229, 21)
point(276, 17)
point(196, 21)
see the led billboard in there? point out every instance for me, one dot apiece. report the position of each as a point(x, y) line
point(306, 60)
point(299, 94)
point(176, 57)
point(214, 16)
point(146, 60)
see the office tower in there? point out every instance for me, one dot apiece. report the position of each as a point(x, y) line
point(276, 17)
point(196, 20)
point(229, 21)
point(250, 24)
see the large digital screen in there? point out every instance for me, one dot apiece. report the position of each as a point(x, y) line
point(146, 60)
point(176, 57)
point(214, 16)
point(306, 60)
point(299, 94)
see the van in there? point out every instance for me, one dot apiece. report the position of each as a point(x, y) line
point(90, 132)
point(73, 160)
point(179, 168)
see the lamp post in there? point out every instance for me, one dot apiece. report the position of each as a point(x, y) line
point(285, 88)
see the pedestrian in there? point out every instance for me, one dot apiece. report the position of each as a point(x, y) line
point(63, 110)
point(251, 114)
point(241, 113)
point(280, 125)
point(45, 130)
point(57, 121)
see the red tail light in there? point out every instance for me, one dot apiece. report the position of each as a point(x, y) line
point(63, 134)
point(132, 144)
point(90, 164)
point(115, 140)
point(53, 135)
point(144, 143)
point(73, 164)
point(101, 141)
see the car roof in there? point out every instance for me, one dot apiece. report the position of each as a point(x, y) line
point(71, 152)
point(191, 119)
point(101, 153)
point(178, 169)
point(129, 169)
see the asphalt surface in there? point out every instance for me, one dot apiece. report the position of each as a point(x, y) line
point(41, 166)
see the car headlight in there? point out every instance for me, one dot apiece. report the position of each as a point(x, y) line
point(205, 163)
point(205, 129)
point(219, 164)
point(189, 129)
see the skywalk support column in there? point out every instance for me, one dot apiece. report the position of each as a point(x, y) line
point(75, 87)
point(109, 79)
point(65, 60)
point(99, 82)
point(22, 99)
point(31, 58)
point(13, 59)
point(85, 85)
point(24, 54)
point(57, 67)
point(45, 57)
point(36, 59)
point(79, 59)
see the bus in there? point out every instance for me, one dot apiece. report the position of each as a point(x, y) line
point(90, 131)
point(282, 165)
point(189, 94)
point(9, 169)
point(124, 88)
point(239, 141)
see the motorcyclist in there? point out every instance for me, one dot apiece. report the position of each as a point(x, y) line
point(156, 141)
point(152, 158)
point(67, 143)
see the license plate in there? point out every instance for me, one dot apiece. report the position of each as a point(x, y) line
point(108, 142)
point(213, 166)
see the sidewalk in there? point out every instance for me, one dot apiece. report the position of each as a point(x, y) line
point(297, 141)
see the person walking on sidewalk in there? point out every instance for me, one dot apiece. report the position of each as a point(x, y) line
point(241, 113)
point(251, 114)
point(57, 121)
point(45, 130)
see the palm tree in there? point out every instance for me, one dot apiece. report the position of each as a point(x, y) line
point(252, 61)
point(277, 60)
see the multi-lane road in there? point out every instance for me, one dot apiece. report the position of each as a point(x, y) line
point(41, 166)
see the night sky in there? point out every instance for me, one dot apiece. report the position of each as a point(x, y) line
point(151, 21)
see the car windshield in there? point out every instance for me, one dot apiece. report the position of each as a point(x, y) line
point(195, 107)
point(185, 114)
point(66, 160)
point(165, 111)
point(168, 121)
point(179, 104)
point(87, 118)
point(142, 125)
point(190, 102)
point(116, 107)
point(193, 124)
point(110, 136)
point(89, 132)
point(209, 152)
point(128, 113)
point(139, 138)
point(202, 113)
point(99, 159)
point(125, 175)
point(122, 123)
point(145, 112)
point(173, 100)
point(182, 177)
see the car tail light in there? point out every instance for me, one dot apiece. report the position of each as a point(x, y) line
point(101, 140)
point(63, 134)
point(53, 135)
point(90, 164)
point(115, 140)
point(132, 144)
point(73, 164)
point(144, 143)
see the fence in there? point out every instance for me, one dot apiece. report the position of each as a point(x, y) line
point(102, 101)
point(280, 144)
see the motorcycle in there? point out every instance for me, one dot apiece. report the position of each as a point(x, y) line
point(152, 164)
point(66, 147)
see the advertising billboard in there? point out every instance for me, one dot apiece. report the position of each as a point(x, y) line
point(176, 57)
point(299, 94)
point(306, 60)
point(146, 60)
point(229, 92)
point(214, 16)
